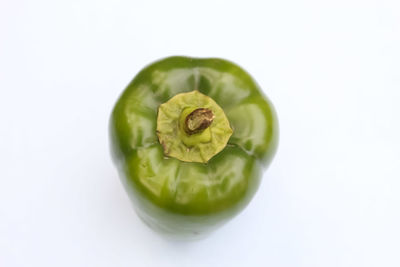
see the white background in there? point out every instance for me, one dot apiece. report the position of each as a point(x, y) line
point(332, 68)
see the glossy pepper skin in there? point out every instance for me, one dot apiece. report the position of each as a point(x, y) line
point(190, 199)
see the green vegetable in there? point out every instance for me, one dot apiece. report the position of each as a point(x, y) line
point(190, 137)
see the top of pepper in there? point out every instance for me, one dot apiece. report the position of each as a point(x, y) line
point(192, 127)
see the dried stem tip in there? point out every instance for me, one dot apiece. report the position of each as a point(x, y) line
point(198, 120)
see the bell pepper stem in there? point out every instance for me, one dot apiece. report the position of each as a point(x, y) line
point(198, 120)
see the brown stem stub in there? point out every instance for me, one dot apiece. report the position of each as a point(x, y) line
point(198, 120)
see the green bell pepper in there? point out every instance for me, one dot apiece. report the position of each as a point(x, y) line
point(190, 138)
